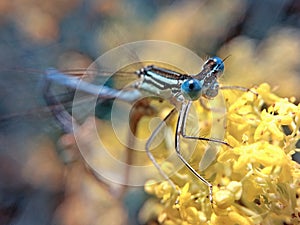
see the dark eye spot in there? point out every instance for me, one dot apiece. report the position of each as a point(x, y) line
point(191, 89)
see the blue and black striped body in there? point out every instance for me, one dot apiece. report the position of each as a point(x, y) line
point(172, 85)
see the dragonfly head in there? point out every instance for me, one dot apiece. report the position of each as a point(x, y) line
point(215, 65)
point(191, 89)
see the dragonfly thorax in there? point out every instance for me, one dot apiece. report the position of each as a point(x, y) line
point(170, 85)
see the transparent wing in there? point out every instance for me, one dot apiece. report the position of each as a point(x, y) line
point(22, 92)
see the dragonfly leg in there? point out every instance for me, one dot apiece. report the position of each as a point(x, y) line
point(179, 132)
point(182, 130)
point(150, 155)
point(239, 88)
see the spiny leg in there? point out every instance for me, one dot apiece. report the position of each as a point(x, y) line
point(181, 119)
point(148, 144)
point(182, 131)
point(239, 88)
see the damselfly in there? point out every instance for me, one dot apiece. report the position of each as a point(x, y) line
point(179, 89)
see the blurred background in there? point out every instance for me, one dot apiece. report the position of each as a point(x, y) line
point(42, 179)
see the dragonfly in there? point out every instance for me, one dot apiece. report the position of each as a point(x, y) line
point(180, 89)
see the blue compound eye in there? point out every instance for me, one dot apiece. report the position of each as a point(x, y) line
point(191, 89)
point(219, 65)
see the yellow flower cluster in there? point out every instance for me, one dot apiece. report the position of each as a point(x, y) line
point(255, 182)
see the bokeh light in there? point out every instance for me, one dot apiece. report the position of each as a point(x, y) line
point(43, 179)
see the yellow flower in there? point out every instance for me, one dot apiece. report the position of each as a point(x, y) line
point(231, 218)
point(256, 182)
